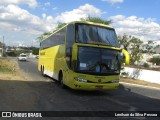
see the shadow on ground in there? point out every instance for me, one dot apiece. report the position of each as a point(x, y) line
point(49, 96)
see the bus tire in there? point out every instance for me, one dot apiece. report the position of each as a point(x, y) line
point(61, 80)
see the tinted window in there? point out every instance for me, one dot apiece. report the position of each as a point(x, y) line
point(98, 61)
point(55, 39)
point(70, 39)
point(23, 55)
point(96, 34)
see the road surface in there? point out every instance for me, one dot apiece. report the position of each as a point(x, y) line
point(44, 94)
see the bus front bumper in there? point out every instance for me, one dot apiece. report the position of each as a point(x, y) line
point(94, 86)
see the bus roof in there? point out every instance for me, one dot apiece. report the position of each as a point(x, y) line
point(80, 22)
point(91, 23)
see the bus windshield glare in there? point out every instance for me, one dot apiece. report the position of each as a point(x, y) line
point(100, 61)
point(96, 34)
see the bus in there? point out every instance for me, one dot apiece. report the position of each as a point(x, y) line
point(82, 56)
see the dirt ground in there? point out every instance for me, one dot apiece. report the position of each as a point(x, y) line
point(14, 71)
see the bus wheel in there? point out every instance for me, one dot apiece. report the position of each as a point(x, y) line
point(61, 80)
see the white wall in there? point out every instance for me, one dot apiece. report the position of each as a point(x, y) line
point(141, 74)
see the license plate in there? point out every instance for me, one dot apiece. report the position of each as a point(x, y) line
point(99, 87)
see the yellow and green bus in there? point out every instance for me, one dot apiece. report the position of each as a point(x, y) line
point(82, 56)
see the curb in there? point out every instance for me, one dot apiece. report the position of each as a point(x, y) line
point(139, 85)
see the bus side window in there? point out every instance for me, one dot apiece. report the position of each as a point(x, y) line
point(70, 38)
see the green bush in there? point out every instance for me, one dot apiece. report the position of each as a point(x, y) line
point(155, 60)
point(12, 54)
point(124, 74)
point(146, 65)
point(18, 52)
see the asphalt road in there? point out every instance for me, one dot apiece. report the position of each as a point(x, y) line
point(44, 94)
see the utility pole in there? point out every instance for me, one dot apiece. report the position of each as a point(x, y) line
point(3, 46)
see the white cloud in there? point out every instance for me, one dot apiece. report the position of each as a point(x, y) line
point(81, 12)
point(146, 29)
point(14, 18)
point(113, 1)
point(117, 17)
point(43, 15)
point(30, 3)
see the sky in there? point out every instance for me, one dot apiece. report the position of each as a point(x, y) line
point(22, 21)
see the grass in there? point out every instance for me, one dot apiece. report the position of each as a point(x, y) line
point(9, 70)
point(6, 66)
point(4, 69)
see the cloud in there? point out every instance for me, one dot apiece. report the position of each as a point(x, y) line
point(14, 18)
point(30, 3)
point(113, 1)
point(81, 12)
point(15, 22)
point(146, 29)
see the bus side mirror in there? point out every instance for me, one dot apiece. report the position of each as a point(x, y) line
point(127, 56)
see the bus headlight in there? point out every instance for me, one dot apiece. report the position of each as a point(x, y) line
point(80, 79)
point(114, 81)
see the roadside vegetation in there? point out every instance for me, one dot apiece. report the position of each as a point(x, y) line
point(155, 60)
point(6, 66)
point(9, 70)
point(15, 53)
point(137, 48)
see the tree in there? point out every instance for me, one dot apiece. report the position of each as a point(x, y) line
point(149, 47)
point(136, 49)
point(44, 35)
point(124, 41)
point(132, 44)
point(35, 51)
point(96, 20)
point(60, 25)
point(155, 60)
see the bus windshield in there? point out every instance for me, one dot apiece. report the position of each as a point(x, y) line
point(99, 61)
point(96, 35)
